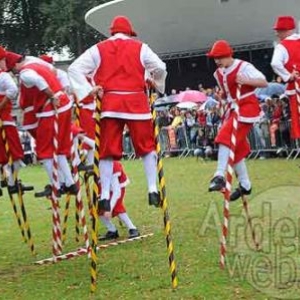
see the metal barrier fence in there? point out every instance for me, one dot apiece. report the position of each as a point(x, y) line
point(266, 140)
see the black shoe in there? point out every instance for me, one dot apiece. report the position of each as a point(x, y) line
point(13, 189)
point(62, 189)
point(1, 193)
point(84, 168)
point(217, 184)
point(45, 193)
point(239, 192)
point(110, 235)
point(154, 199)
point(4, 183)
point(133, 233)
point(72, 189)
point(104, 205)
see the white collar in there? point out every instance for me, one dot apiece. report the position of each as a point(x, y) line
point(294, 36)
point(120, 35)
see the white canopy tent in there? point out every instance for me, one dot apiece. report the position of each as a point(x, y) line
point(174, 27)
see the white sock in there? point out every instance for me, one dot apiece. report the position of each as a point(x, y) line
point(48, 165)
point(242, 174)
point(150, 167)
point(106, 172)
point(76, 152)
point(61, 178)
point(126, 220)
point(65, 168)
point(10, 175)
point(223, 156)
point(108, 224)
point(90, 157)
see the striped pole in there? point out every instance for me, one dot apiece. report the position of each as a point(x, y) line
point(23, 225)
point(229, 177)
point(88, 192)
point(249, 221)
point(80, 214)
point(56, 230)
point(164, 203)
point(95, 196)
point(83, 251)
point(77, 210)
point(66, 216)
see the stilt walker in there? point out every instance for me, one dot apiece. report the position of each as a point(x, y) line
point(11, 149)
point(164, 202)
point(118, 66)
point(286, 64)
point(237, 80)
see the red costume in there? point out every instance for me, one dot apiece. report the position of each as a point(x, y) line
point(44, 111)
point(286, 59)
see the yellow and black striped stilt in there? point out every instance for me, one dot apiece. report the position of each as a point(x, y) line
point(164, 203)
point(95, 196)
point(23, 224)
point(66, 216)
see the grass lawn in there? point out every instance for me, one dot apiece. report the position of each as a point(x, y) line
point(139, 270)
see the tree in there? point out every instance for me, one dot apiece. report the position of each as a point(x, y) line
point(22, 26)
point(67, 27)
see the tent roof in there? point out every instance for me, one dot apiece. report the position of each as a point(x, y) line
point(182, 26)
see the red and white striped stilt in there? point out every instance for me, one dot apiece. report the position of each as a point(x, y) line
point(83, 251)
point(229, 176)
point(79, 202)
point(56, 229)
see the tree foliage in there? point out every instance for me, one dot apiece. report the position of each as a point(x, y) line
point(67, 27)
point(37, 26)
point(22, 26)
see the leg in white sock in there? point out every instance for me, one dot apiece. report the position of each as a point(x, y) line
point(106, 172)
point(150, 167)
point(90, 157)
point(65, 168)
point(242, 174)
point(108, 224)
point(126, 220)
point(76, 154)
point(61, 177)
point(48, 165)
point(223, 156)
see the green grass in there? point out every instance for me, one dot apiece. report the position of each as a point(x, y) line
point(139, 270)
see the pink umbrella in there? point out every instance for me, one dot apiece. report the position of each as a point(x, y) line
point(191, 96)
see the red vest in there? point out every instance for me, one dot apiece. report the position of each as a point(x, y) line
point(121, 68)
point(39, 98)
point(293, 49)
point(5, 112)
point(249, 110)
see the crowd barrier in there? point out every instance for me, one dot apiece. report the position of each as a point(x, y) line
point(266, 140)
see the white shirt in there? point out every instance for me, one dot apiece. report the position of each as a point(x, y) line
point(30, 78)
point(63, 78)
point(281, 57)
point(8, 87)
point(88, 63)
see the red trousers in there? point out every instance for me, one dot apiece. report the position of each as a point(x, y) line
point(14, 144)
point(141, 133)
point(45, 135)
point(242, 145)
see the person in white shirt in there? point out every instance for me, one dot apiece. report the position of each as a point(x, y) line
point(118, 67)
point(286, 63)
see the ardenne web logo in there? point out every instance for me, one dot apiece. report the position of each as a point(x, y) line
point(273, 269)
